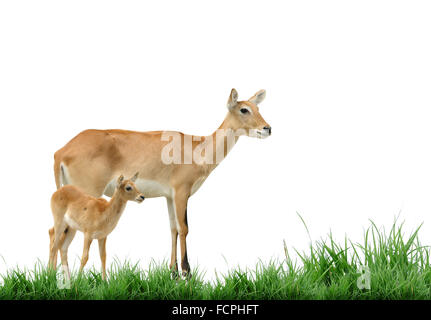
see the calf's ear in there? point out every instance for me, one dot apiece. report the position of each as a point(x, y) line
point(233, 99)
point(120, 180)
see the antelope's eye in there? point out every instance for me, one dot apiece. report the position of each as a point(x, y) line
point(244, 110)
point(128, 188)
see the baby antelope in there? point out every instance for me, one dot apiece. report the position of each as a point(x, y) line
point(95, 217)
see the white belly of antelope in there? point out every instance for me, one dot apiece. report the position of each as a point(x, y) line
point(152, 188)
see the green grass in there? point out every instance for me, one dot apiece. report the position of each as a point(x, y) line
point(398, 264)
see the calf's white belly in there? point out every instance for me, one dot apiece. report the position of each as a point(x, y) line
point(72, 223)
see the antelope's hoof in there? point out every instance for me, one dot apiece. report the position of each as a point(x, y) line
point(174, 274)
point(52, 266)
point(187, 275)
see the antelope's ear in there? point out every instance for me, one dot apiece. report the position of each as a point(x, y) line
point(133, 179)
point(120, 179)
point(258, 97)
point(233, 99)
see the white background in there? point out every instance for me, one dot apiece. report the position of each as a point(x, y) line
point(348, 98)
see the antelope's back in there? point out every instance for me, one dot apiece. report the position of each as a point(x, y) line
point(94, 158)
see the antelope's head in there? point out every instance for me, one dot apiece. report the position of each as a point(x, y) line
point(245, 115)
point(128, 190)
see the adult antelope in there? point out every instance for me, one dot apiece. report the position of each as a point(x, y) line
point(94, 158)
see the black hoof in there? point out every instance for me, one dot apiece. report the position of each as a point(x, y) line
point(174, 274)
point(187, 275)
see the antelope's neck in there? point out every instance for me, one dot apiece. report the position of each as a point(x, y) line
point(116, 206)
point(224, 138)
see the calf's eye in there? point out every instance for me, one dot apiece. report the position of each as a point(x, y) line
point(128, 188)
point(244, 110)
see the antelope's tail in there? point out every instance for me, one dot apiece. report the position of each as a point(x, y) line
point(59, 171)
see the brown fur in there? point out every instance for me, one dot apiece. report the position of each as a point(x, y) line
point(94, 157)
point(74, 210)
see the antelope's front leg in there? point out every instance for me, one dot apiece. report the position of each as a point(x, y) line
point(102, 252)
point(181, 215)
point(173, 266)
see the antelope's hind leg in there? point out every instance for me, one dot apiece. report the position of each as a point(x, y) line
point(69, 234)
point(55, 242)
point(51, 241)
point(102, 252)
point(87, 244)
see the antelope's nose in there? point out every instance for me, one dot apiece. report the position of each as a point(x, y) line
point(142, 197)
point(268, 129)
